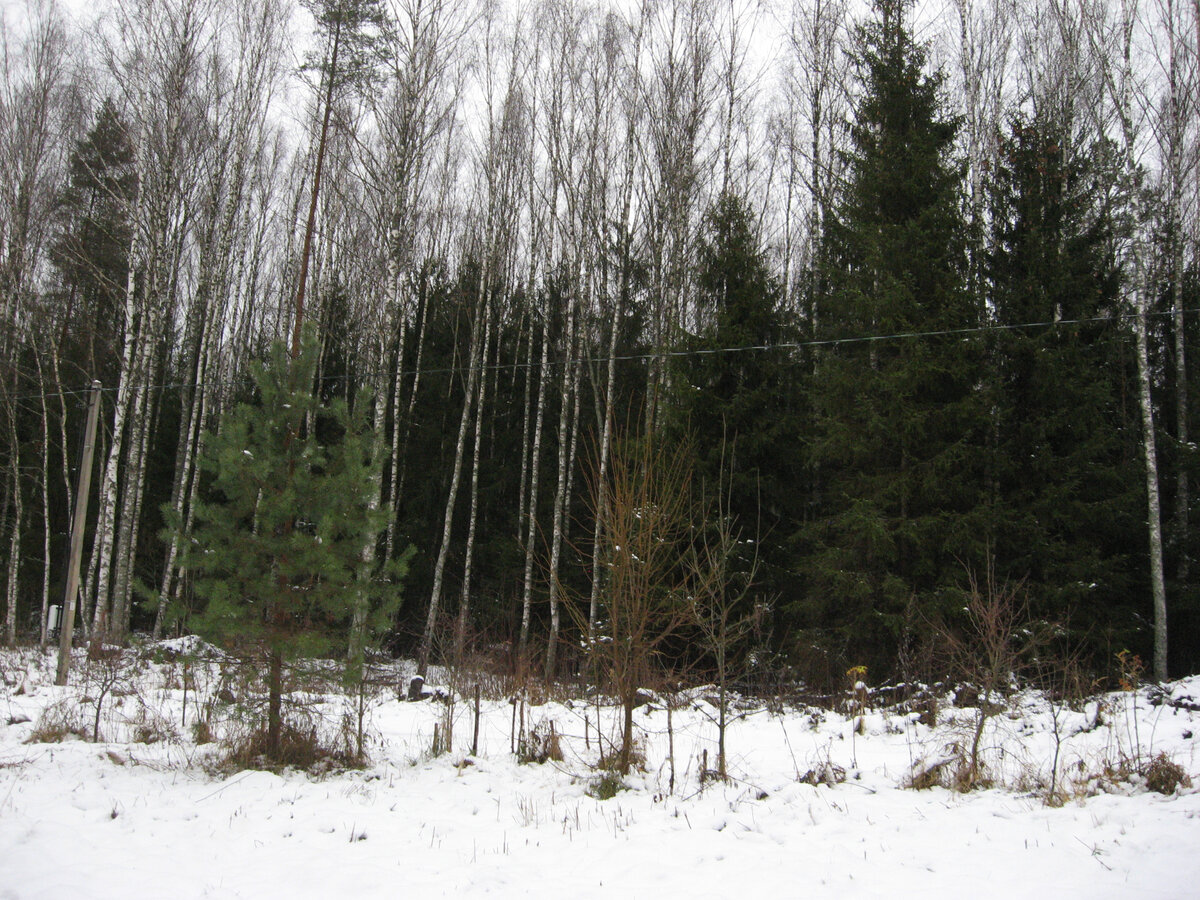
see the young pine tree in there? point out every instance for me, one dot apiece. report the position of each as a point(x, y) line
point(898, 420)
point(276, 552)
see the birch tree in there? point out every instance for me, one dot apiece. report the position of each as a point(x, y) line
point(241, 86)
point(33, 82)
point(154, 54)
point(1110, 41)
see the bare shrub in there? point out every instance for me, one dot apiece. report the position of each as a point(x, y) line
point(542, 744)
point(109, 671)
point(301, 745)
point(1165, 776)
point(989, 649)
point(151, 728)
point(952, 769)
point(646, 590)
point(825, 772)
point(57, 721)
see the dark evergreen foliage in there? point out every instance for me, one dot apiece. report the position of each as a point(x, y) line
point(736, 399)
point(276, 551)
point(1065, 470)
point(899, 423)
point(91, 250)
point(896, 425)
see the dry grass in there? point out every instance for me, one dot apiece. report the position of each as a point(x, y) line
point(1165, 776)
point(57, 722)
point(301, 746)
point(540, 745)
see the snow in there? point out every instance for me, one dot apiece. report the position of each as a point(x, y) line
point(130, 820)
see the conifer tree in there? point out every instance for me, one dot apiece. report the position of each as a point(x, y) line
point(91, 251)
point(898, 419)
point(276, 549)
point(1065, 468)
point(736, 396)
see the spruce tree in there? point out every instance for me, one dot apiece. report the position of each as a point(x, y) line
point(1065, 470)
point(736, 395)
point(276, 551)
point(91, 250)
point(898, 418)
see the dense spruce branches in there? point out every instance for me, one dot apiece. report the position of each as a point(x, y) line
point(898, 424)
point(649, 230)
point(1063, 463)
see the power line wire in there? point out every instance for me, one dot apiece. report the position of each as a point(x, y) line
point(666, 354)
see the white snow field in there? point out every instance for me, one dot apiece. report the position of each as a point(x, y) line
point(128, 819)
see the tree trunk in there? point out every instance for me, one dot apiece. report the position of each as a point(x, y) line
point(47, 517)
point(435, 596)
point(12, 591)
point(1154, 515)
point(464, 605)
point(274, 702)
point(534, 478)
point(131, 501)
point(102, 550)
point(358, 625)
point(1176, 137)
point(306, 252)
point(560, 493)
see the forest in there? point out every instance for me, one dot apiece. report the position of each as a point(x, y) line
point(762, 334)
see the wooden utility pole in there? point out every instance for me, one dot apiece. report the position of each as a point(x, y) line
point(78, 524)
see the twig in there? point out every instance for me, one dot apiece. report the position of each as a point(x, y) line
point(1095, 852)
point(225, 785)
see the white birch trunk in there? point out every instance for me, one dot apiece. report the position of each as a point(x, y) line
point(464, 605)
point(102, 550)
point(14, 543)
point(534, 472)
point(46, 511)
point(439, 569)
point(564, 414)
point(1154, 514)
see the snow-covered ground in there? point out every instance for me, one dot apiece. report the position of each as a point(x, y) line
point(127, 819)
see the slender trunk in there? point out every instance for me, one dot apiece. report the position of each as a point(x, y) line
point(46, 512)
point(106, 529)
point(534, 467)
point(306, 251)
point(556, 540)
point(1182, 492)
point(626, 758)
point(182, 488)
point(397, 385)
point(526, 419)
point(602, 475)
point(89, 576)
point(274, 702)
point(14, 543)
point(439, 569)
point(131, 494)
point(624, 261)
point(573, 450)
point(464, 605)
point(1154, 515)
point(358, 628)
point(1175, 141)
point(722, 724)
point(400, 451)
